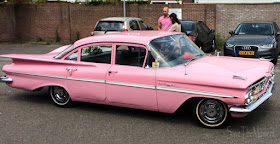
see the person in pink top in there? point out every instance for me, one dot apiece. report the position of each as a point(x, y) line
point(164, 22)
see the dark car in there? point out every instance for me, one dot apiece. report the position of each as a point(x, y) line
point(254, 40)
point(200, 34)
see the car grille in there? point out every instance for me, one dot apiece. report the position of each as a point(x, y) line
point(251, 49)
point(260, 84)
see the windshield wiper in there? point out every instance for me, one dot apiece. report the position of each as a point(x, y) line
point(199, 55)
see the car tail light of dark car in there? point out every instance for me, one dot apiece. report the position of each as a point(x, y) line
point(92, 33)
point(126, 30)
point(193, 38)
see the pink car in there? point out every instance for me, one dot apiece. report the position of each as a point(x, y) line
point(150, 70)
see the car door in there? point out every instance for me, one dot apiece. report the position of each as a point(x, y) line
point(86, 79)
point(133, 24)
point(127, 81)
point(209, 35)
point(143, 25)
point(202, 37)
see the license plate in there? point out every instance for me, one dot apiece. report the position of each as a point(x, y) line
point(246, 53)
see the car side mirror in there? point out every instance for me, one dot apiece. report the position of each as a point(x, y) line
point(230, 32)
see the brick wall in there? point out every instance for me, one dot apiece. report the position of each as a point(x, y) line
point(69, 22)
point(200, 12)
point(229, 16)
point(7, 23)
point(66, 22)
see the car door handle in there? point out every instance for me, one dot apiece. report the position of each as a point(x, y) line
point(112, 72)
point(70, 69)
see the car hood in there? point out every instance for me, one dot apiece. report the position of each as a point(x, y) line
point(251, 39)
point(219, 71)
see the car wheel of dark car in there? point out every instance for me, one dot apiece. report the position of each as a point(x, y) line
point(60, 96)
point(210, 112)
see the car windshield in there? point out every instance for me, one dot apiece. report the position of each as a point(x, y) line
point(173, 50)
point(187, 26)
point(254, 29)
point(109, 26)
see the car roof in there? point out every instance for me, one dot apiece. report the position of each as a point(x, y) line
point(138, 37)
point(257, 22)
point(190, 21)
point(117, 18)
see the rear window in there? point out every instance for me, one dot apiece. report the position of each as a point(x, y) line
point(109, 26)
point(187, 26)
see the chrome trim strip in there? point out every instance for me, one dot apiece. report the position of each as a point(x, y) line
point(61, 77)
point(131, 85)
point(5, 79)
point(196, 92)
point(253, 106)
point(51, 76)
point(135, 85)
point(86, 80)
point(239, 77)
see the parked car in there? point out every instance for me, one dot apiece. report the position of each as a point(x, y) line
point(254, 39)
point(119, 24)
point(200, 34)
point(157, 71)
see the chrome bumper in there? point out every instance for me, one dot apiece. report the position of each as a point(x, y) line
point(5, 79)
point(253, 106)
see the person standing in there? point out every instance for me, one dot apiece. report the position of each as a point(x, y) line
point(176, 24)
point(164, 22)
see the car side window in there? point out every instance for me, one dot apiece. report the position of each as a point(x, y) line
point(97, 54)
point(130, 55)
point(134, 25)
point(143, 25)
point(206, 29)
point(73, 56)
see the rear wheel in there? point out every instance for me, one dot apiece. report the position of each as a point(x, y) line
point(60, 97)
point(210, 112)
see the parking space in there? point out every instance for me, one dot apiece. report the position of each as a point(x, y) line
point(30, 117)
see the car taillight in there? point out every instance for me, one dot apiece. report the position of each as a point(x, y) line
point(193, 38)
point(125, 30)
point(92, 33)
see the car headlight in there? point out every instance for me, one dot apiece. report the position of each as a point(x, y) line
point(249, 97)
point(267, 46)
point(229, 45)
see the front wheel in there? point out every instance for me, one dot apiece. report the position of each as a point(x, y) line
point(60, 97)
point(210, 112)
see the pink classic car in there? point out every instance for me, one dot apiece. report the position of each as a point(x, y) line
point(150, 70)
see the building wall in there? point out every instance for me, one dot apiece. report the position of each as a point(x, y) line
point(66, 22)
point(69, 22)
point(7, 23)
point(236, 1)
point(229, 16)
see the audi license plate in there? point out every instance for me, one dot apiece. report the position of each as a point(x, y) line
point(246, 53)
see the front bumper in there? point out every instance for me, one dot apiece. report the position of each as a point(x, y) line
point(5, 79)
point(253, 106)
point(265, 54)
